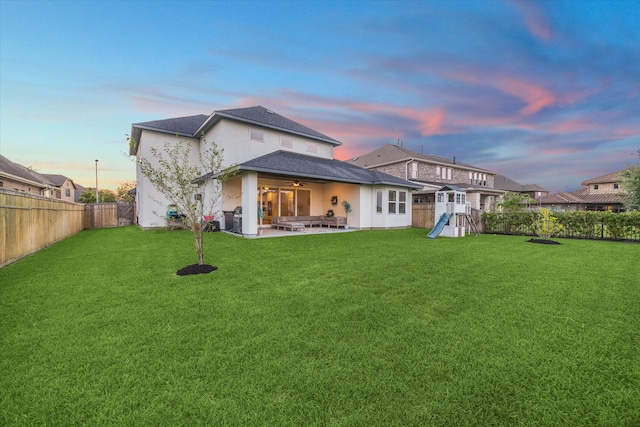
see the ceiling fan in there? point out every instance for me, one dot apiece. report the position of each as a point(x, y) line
point(297, 183)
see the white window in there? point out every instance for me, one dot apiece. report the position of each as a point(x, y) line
point(378, 201)
point(285, 141)
point(437, 171)
point(402, 202)
point(256, 135)
point(470, 177)
point(392, 201)
point(312, 147)
point(449, 174)
point(414, 170)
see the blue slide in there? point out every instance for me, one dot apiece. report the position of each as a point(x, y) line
point(439, 226)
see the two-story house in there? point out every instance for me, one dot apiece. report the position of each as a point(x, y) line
point(16, 177)
point(432, 173)
point(65, 188)
point(282, 168)
point(602, 193)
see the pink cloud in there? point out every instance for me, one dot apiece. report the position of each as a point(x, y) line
point(534, 19)
point(536, 97)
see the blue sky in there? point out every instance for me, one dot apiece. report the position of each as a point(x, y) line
point(542, 92)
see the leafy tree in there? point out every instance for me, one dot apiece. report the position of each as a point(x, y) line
point(123, 192)
point(631, 186)
point(515, 202)
point(89, 196)
point(174, 175)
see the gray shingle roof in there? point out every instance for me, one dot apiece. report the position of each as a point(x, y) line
point(185, 126)
point(302, 166)
point(502, 182)
point(192, 126)
point(390, 153)
point(19, 171)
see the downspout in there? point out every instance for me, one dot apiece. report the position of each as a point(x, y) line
point(406, 168)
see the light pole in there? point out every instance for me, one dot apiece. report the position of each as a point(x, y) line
point(97, 200)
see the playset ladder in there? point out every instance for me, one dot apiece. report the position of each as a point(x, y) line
point(472, 224)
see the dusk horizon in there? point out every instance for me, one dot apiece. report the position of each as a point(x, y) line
point(545, 93)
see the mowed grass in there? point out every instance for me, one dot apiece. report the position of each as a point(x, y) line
point(370, 328)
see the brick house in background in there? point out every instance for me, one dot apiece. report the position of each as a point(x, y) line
point(14, 176)
point(602, 193)
point(65, 188)
point(432, 173)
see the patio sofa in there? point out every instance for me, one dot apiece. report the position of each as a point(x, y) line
point(291, 222)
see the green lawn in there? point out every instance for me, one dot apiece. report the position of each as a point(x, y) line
point(370, 328)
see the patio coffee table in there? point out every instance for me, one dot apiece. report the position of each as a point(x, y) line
point(296, 226)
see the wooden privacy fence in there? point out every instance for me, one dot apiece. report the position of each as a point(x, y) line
point(29, 223)
point(423, 215)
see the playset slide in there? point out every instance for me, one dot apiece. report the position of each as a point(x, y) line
point(439, 226)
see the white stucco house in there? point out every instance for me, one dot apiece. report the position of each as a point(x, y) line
point(283, 167)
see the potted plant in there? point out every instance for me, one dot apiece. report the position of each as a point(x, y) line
point(347, 210)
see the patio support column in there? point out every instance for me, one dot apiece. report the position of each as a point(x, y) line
point(249, 204)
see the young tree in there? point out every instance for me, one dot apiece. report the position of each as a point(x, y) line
point(180, 181)
point(515, 202)
point(631, 187)
point(547, 225)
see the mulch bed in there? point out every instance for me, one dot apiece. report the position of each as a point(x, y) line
point(196, 269)
point(544, 241)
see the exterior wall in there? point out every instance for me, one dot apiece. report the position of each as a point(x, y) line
point(151, 205)
point(386, 219)
point(604, 188)
point(15, 185)
point(429, 172)
point(234, 137)
point(67, 187)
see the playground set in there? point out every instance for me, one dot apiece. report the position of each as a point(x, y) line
point(453, 213)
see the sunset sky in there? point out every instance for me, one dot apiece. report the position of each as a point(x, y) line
point(543, 92)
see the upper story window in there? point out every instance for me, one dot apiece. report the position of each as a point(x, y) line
point(256, 135)
point(615, 186)
point(414, 170)
point(444, 173)
point(312, 147)
point(67, 192)
point(285, 141)
point(595, 186)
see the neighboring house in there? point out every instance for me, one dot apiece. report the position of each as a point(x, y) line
point(16, 177)
point(78, 192)
point(282, 167)
point(602, 193)
point(432, 173)
point(65, 189)
point(534, 191)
